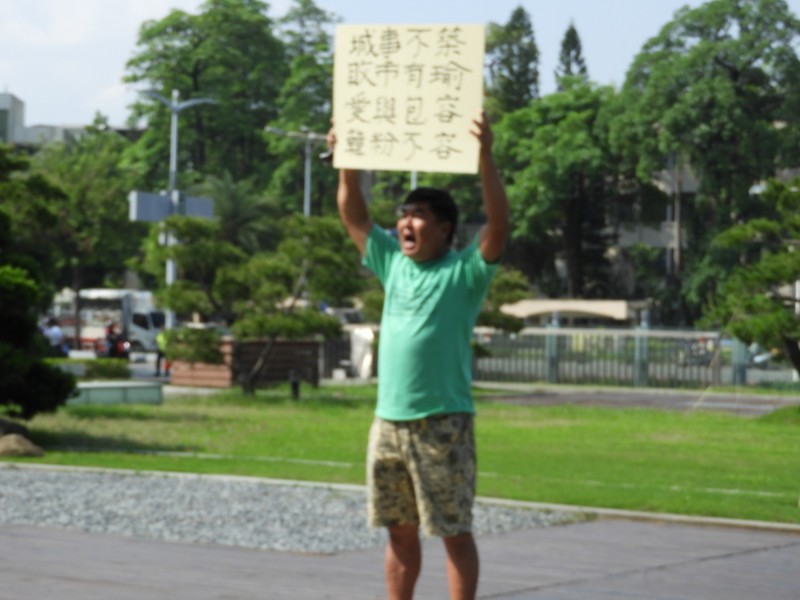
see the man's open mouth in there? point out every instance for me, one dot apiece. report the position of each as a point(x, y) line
point(408, 241)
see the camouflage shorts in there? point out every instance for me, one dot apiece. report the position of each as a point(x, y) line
point(422, 472)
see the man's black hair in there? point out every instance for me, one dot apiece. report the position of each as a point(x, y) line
point(441, 204)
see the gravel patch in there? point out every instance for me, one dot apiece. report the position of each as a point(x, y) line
point(244, 512)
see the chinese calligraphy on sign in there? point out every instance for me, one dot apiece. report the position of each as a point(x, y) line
point(404, 97)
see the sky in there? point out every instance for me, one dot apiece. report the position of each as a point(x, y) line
point(65, 59)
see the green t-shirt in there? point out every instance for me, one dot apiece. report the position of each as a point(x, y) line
point(425, 356)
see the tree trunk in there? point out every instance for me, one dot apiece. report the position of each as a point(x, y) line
point(792, 349)
point(573, 241)
point(248, 378)
point(76, 287)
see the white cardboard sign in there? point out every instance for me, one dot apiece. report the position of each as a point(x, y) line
point(405, 96)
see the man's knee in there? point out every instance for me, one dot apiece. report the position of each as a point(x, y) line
point(406, 534)
point(457, 545)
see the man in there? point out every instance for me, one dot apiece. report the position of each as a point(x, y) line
point(55, 336)
point(161, 346)
point(421, 458)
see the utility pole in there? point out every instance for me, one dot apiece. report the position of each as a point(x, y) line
point(308, 137)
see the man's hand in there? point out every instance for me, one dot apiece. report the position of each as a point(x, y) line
point(483, 132)
point(495, 203)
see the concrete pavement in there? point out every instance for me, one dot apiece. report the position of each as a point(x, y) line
point(598, 560)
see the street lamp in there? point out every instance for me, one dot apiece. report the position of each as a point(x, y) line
point(308, 136)
point(175, 108)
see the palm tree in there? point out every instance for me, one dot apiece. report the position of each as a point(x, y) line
point(248, 219)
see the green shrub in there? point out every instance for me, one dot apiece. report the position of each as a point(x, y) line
point(107, 368)
point(194, 346)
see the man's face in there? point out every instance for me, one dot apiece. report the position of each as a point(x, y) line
point(422, 236)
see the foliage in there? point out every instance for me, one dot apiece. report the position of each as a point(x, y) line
point(29, 206)
point(717, 89)
point(562, 179)
point(570, 59)
point(513, 69)
point(247, 219)
point(257, 294)
point(28, 385)
point(97, 368)
point(304, 105)
point(757, 302)
point(508, 286)
point(92, 230)
point(228, 53)
point(108, 368)
point(193, 345)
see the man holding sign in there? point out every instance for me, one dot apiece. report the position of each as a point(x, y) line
point(421, 460)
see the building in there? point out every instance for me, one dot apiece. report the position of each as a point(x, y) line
point(14, 131)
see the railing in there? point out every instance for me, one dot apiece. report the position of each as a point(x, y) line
point(638, 357)
point(617, 357)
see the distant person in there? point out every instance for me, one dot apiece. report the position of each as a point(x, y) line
point(113, 339)
point(161, 344)
point(421, 457)
point(54, 334)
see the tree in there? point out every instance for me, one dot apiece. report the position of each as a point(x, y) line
point(305, 104)
point(758, 302)
point(266, 294)
point(247, 218)
point(513, 63)
point(562, 179)
point(228, 53)
point(28, 385)
point(570, 59)
point(509, 285)
point(93, 231)
point(31, 203)
point(716, 88)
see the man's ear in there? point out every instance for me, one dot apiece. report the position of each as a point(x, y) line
point(448, 228)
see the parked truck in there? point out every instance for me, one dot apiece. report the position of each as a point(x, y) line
point(133, 313)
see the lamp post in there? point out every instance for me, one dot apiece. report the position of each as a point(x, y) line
point(308, 137)
point(175, 108)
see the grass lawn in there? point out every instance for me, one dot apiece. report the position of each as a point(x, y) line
point(692, 463)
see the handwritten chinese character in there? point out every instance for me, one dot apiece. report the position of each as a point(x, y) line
point(387, 70)
point(389, 42)
point(354, 141)
point(445, 108)
point(449, 41)
point(444, 147)
point(451, 75)
point(358, 105)
point(358, 72)
point(416, 39)
point(362, 45)
point(411, 140)
point(414, 111)
point(383, 143)
point(384, 109)
point(414, 74)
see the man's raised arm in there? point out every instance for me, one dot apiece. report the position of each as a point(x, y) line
point(351, 203)
point(495, 202)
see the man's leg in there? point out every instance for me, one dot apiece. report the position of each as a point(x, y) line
point(403, 561)
point(462, 566)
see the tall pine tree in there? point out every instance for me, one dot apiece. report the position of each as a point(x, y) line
point(513, 58)
point(570, 61)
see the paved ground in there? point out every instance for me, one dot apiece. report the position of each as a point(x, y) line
point(745, 404)
point(609, 558)
point(596, 560)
